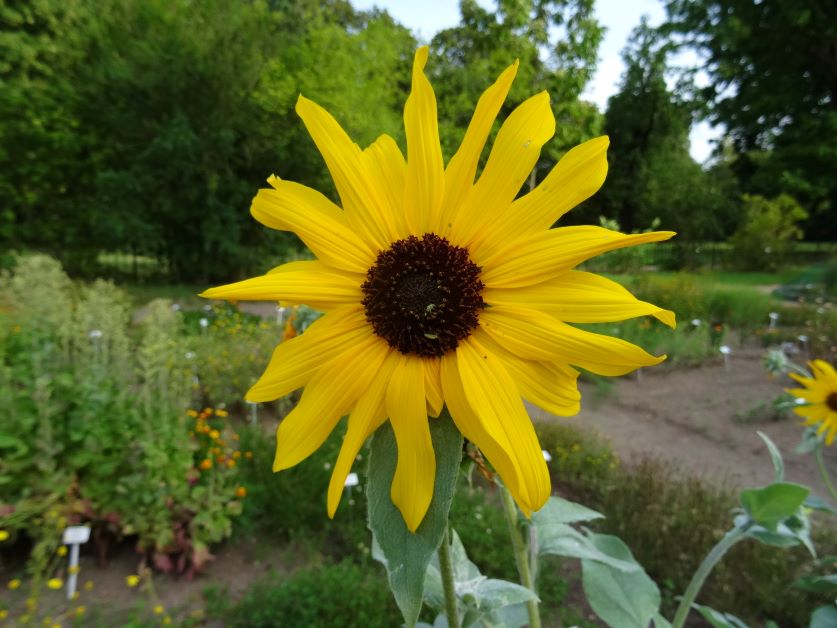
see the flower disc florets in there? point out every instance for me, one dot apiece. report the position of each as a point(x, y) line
point(423, 295)
point(831, 401)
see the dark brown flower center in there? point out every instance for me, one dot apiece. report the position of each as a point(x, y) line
point(423, 295)
point(831, 401)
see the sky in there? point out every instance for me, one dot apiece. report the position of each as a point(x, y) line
point(426, 17)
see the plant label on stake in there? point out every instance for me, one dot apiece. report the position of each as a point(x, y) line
point(74, 536)
point(726, 352)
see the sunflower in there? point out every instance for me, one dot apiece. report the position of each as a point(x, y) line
point(821, 394)
point(439, 290)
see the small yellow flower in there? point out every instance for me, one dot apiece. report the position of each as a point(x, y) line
point(4, 535)
point(191, 413)
point(241, 492)
point(205, 465)
point(14, 584)
point(80, 610)
point(230, 463)
point(3, 614)
point(236, 455)
point(55, 583)
point(62, 551)
point(222, 413)
point(132, 580)
point(88, 586)
point(821, 394)
point(214, 434)
point(159, 609)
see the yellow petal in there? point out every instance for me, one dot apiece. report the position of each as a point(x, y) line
point(825, 373)
point(486, 432)
point(316, 220)
point(814, 413)
point(309, 282)
point(514, 154)
point(388, 172)
point(551, 386)
point(367, 416)
point(808, 394)
point(415, 473)
point(332, 392)
point(575, 178)
point(459, 175)
point(579, 297)
point(493, 395)
point(542, 256)
point(295, 361)
point(366, 210)
point(533, 335)
point(425, 184)
point(433, 387)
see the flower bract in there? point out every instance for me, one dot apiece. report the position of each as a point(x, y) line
point(820, 391)
point(441, 288)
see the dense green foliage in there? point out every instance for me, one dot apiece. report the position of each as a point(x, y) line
point(143, 128)
point(773, 85)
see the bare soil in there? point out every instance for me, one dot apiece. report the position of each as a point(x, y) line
point(704, 419)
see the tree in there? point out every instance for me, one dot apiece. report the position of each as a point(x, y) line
point(469, 56)
point(773, 71)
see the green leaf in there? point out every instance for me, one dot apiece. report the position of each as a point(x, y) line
point(559, 510)
point(660, 621)
point(818, 503)
point(810, 442)
point(563, 540)
point(818, 584)
point(620, 599)
point(718, 619)
point(775, 456)
point(824, 617)
point(406, 555)
point(769, 505)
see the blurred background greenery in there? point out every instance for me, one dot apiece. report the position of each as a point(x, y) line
point(133, 133)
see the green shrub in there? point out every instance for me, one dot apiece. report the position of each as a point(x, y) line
point(230, 354)
point(322, 597)
point(97, 429)
point(764, 240)
point(292, 503)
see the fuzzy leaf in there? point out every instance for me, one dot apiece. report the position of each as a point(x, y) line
point(769, 505)
point(406, 555)
point(621, 600)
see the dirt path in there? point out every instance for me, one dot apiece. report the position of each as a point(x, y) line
point(693, 418)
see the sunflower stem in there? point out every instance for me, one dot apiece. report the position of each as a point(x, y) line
point(824, 473)
point(448, 582)
point(712, 558)
point(521, 555)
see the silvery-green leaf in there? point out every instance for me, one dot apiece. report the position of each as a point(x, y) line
point(718, 619)
point(818, 503)
point(775, 456)
point(515, 616)
point(660, 621)
point(563, 540)
point(824, 617)
point(621, 600)
point(493, 594)
point(810, 441)
point(558, 510)
point(408, 554)
point(463, 568)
